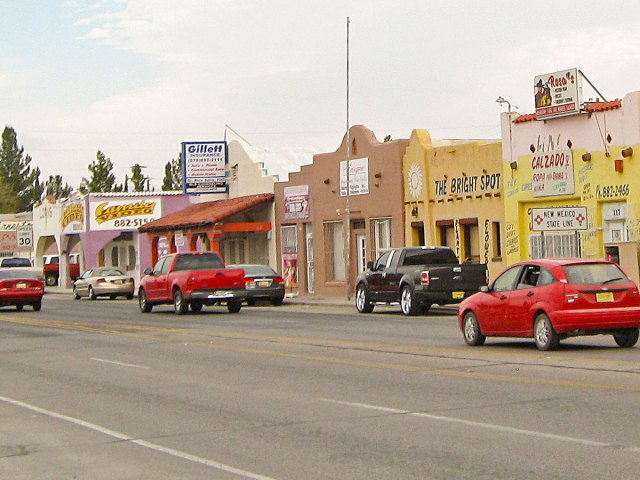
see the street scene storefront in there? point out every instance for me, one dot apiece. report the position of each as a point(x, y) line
point(453, 197)
point(99, 230)
point(572, 182)
point(240, 229)
point(336, 214)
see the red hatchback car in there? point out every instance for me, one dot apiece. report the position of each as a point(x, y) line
point(553, 299)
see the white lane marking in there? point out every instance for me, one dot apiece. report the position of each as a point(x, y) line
point(142, 443)
point(133, 365)
point(489, 426)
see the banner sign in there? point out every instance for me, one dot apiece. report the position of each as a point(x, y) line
point(358, 177)
point(72, 218)
point(552, 173)
point(559, 219)
point(557, 94)
point(126, 214)
point(204, 167)
point(296, 202)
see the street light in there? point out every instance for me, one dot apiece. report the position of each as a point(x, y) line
point(501, 100)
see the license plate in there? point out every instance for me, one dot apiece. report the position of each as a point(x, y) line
point(264, 283)
point(457, 295)
point(604, 297)
point(223, 293)
point(21, 285)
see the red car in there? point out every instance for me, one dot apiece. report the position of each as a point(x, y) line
point(20, 287)
point(553, 299)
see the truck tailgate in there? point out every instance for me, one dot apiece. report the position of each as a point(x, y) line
point(463, 278)
point(217, 279)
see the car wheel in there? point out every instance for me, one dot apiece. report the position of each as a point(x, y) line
point(51, 280)
point(76, 295)
point(179, 304)
point(363, 302)
point(545, 336)
point(626, 338)
point(37, 306)
point(471, 330)
point(196, 306)
point(234, 307)
point(408, 302)
point(145, 306)
point(92, 294)
point(251, 302)
point(425, 307)
point(19, 307)
point(112, 297)
point(277, 301)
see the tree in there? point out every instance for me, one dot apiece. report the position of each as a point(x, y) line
point(138, 179)
point(173, 174)
point(20, 180)
point(102, 178)
point(54, 187)
point(8, 201)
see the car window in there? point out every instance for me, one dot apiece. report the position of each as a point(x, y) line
point(255, 270)
point(382, 261)
point(507, 280)
point(16, 262)
point(545, 278)
point(529, 276)
point(166, 265)
point(86, 274)
point(157, 268)
point(594, 274)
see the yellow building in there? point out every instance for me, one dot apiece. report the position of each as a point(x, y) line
point(453, 197)
point(572, 184)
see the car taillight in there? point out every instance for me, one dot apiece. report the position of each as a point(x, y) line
point(424, 278)
point(191, 281)
point(279, 280)
point(101, 280)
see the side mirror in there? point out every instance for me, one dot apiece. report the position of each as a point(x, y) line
point(370, 265)
point(148, 271)
point(484, 289)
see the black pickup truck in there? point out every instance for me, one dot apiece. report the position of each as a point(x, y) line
point(417, 277)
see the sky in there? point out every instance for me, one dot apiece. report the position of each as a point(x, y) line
point(135, 78)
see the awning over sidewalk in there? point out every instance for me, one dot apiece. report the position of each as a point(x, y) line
point(206, 214)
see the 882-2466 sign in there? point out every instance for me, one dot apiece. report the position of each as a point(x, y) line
point(554, 219)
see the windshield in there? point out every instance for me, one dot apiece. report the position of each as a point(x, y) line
point(16, 262)
point(594, 274)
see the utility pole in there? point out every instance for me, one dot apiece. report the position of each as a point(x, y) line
point(347, 248)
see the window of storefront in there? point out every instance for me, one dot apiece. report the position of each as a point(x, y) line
point(446, 232)
point(333, 251)
point(497, 240)
point(552, 245)
point(381, 232)
point(471, 240)
point(289, 254)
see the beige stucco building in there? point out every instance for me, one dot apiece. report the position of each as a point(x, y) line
point(318, 222)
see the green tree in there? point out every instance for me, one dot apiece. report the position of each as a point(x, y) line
point(8, 201)
point(139, 179)
point(101, 178)
point(173, 174)
point(20, 180)
point(54, 187)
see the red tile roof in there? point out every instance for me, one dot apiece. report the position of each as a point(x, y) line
point(206, 213)
point(588, 107)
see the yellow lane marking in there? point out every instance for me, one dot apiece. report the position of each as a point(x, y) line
point(220, 338)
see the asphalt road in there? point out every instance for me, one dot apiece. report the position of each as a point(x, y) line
point(97, 390)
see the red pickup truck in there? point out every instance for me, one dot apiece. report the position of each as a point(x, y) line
point(191, 280)
point(51, 268)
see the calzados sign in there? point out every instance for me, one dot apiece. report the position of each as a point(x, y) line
point(552, 173)
point(124, 214)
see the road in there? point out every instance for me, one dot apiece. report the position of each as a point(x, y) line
point(97, 390)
